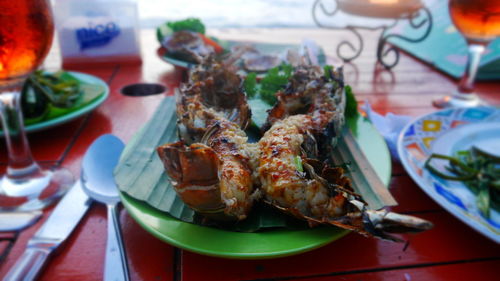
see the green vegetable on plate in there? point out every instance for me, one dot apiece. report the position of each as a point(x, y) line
point(480, 172)
point(43, 90)
point(46, 96)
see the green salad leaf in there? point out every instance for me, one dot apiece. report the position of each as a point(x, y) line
point(192, 24)
point(274, 80)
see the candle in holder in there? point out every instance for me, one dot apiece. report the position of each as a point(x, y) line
point(393, 9)
point(384, 2)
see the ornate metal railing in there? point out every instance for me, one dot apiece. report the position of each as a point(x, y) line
point(418, 19)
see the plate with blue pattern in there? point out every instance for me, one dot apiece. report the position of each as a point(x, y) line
point(446, 132)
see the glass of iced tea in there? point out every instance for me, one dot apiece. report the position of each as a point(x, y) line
point(26, 31)
point(479, 23)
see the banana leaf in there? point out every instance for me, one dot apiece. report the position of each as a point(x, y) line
point(140, 174)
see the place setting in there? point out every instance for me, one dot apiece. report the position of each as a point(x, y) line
point(265, 154)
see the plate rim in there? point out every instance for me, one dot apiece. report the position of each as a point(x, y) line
point(65, 118)
point(335, 233)
point(450, 208)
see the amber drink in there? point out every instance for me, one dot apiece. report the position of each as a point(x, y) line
point(479, 22)
point(26, 31)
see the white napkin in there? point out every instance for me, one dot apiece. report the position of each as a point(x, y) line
point(389, 126)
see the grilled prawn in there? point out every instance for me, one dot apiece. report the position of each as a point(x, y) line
point(210, 165)
point(319, 95)
point(294, 182)
point(213, 92)
point(213, 177)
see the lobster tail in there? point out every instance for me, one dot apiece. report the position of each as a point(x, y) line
point(197, 189)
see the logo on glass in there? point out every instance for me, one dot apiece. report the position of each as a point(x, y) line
point(96, 36)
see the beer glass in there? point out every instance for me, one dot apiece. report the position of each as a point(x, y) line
point(26, 31)
point(479, 22)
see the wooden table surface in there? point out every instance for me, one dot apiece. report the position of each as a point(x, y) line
point(450, 251)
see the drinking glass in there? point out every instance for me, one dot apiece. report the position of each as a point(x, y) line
point(479, 23)
point(26, 31)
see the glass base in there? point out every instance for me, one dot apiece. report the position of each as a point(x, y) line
point(458, 100)
point(34, 191)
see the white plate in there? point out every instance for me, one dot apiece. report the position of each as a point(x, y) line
point(446, 132)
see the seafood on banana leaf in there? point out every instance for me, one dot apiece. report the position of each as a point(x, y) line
point(214, 176)
point(213, 92)
point(294, 182)
point(320, 95)
point(210, 167)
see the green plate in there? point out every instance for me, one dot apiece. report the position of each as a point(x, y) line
point(258, 245)
point(86, 79)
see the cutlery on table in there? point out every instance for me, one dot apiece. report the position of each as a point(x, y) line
point(53, 232)
point(15, 221)
point(98, 182)
point(60, 223)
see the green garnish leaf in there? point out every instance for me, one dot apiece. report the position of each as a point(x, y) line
point(275, 79)
point(328, 70)
point(351, 108)
point(250, 85)
point(298, 163)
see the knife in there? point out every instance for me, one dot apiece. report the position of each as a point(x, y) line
point(53, 233)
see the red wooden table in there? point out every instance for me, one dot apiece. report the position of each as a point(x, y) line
point(450, 251)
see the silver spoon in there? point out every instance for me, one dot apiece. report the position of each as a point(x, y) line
point(99, 184)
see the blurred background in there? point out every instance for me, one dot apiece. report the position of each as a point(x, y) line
point(229, 13)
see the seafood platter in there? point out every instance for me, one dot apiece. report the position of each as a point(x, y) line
point(202, 166)
point(185, 44)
